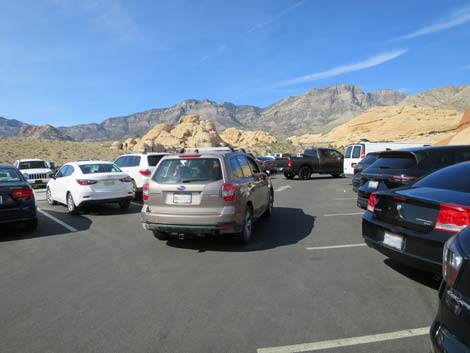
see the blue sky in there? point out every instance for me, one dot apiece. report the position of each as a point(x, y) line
point(65, 62)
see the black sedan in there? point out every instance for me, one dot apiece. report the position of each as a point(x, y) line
point(411, 224)
point(17, 202)
point(450, 332)
point(402, 167)
point(361, 166)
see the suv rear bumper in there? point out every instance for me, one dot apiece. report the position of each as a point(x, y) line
point(221, 228)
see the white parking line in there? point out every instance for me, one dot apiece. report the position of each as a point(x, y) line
point(343, 214)
point(345, 342)
point(63, 224)
point(282, 188)
point(335, 246)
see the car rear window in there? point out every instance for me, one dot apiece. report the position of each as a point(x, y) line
point(8, 175)
point(395, 161)
point(99, 168)
point(356, 153)
point(128, 161)
point(348, 151)
point(187, 170)
point(369, 159)
point(32, 165)
point(153, 160)
point(454, 178)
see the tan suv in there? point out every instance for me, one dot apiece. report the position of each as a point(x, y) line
point(206, 191)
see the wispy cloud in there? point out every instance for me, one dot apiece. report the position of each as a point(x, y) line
point(361, 65)
point(276, 17)
point(106, 15)
point(456, 19)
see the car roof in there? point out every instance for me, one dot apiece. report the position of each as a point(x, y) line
point(89, 162)
point(143, 154)
point(31, 159)
point(429, 148)
point(7, 166)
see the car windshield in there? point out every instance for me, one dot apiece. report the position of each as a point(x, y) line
point(450, 178)
point(9, 175)
point(187, 170)
point(99, 168)
point(395, 161)
point(369, 159)
point(32, 165)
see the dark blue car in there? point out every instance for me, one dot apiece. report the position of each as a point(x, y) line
point(17, 202)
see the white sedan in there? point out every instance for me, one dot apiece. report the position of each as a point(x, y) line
point(82, 183)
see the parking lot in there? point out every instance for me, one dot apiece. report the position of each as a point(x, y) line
point(98, 282)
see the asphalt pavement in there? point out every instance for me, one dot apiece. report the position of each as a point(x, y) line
point(98, 282)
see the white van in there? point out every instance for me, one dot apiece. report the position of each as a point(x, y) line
point(354, 153)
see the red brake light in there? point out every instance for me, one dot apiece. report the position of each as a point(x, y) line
point(85, 182)
point(190, 156)
point(371, 203)
point(289, 162)
point(145, 192)
point(363, 152)
point(452, 218)
point(23, 193)
point(229, 192)
point(145, 172)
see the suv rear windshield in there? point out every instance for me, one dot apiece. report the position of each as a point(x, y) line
point(451, 178)
point(32, 165)
point(187, 170)
point(153, 160)
point(99, 168)
point(128, 161)
point(9, 175)
point(395, 161)
point(370, 158)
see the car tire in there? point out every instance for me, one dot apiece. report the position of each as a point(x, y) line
point(73, 210)
point(289, 175)
point(32, 224)
point(305, 173)
point(269, 211)
point(160, 235)
point(247, 231)
point(124, 205)
point(49, 198)
point(336, 175)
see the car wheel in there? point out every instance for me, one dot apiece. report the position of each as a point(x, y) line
point(49, 198)
point(32, 224)
point(289, 175)
point(269, 211)
point(336, 175)
point(71, 204)
point(160, 235)
point(124, 205)
point(305, 173)
point(247, 231)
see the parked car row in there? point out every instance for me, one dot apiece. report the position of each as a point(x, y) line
point(417, 203)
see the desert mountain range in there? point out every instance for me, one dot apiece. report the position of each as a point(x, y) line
point(313, 114)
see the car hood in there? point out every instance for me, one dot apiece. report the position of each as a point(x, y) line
point(36, 171)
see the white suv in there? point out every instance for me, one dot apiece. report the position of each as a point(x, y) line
point(37, 171)
point(139, 166)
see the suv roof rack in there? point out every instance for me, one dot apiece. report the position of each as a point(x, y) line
point(212, 149)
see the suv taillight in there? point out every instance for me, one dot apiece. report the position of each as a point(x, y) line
point(229, 192)
point(371, 203)
point(289, 162)
point(451, 262)
point(145, 172)
point(23, 193)
point(452, 218)
point(145, 192)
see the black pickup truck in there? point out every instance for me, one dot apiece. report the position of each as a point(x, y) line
point(315, 160)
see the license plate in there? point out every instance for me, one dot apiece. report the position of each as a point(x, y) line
point(108, 182)
point(393, 241)
point(182, 198)
point(373, 184)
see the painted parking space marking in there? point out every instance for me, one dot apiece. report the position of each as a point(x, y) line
point(58, 221)
point(282, 188)
point(345, 342)
point(335, 246)
point(343, 214)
